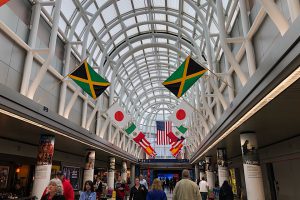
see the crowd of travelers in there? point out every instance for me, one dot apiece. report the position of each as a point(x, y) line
point(59, 188)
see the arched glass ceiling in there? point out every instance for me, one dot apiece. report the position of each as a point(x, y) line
point(137, 44)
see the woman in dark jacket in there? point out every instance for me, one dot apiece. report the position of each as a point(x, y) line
point(226, 192)
point(54, 190)
point(156, 192)
point(138, 191)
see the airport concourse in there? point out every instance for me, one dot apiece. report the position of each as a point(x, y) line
point(149, 99)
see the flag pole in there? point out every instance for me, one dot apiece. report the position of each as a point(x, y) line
point(202, 65)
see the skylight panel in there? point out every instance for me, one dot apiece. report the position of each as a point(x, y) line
point(119, 39)
point(132, 31)
point(136, 44)
point(98, 24)
point(129, 22)
point(80, 26)
point(124, 51)
point(92, 8)
point(188, 10)
point(67, 8)
point(160, 27)
point(144, 28)
point(187, 25)
point(142, 18)
point(115, 30)
point(109, 14)
point(160, 17)
point(100, 2)
point(62, 24)
point(105, 38)
point(172, 19)
point(138, 4)
point(159, 3)
point(124, 6)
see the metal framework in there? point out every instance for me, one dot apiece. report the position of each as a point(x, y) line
point(137, 45)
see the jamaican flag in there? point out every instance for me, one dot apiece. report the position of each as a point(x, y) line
point(91, 82)
point(184, 77)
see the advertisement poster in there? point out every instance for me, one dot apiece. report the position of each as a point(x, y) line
point(221, 157)
point(90, 160)
point(233, 181)
point(252, 169)
point(46, 150)
point(72, 174)
point(249, 149)
point(43, 164)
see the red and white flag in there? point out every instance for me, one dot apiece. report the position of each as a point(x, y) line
point(2, 2)
point(176, 147)
point(181, 113)
point(118, 115)
point(145, 144)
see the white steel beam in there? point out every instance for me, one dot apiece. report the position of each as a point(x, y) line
point(276, 15)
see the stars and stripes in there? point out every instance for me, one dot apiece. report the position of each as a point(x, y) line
point(163, 128)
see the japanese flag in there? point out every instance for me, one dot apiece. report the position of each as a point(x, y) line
point(181, 113)
point(117, 114)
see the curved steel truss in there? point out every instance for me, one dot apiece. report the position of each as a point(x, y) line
point(137, 44)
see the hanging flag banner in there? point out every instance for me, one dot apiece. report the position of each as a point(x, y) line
point(145, 144)
point(184, 77)
point(180, 132)
point(181, 113)
point(176, 147)
point(2, 2)
point(173, 137)
point(163, 128)
point(118, 115)
point(89, 80)
point(131, 130)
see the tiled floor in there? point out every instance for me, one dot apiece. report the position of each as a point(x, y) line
point(169, 195)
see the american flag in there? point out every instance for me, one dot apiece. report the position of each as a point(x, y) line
point(163, 128)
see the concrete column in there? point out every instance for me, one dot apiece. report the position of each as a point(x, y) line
point(89, 166)
point(43, 165)
point(124, 171)
point(197, 172)
point(111, 173)
point(209, 172)
point(223, 173)
point(132, 174)
point(252, 169)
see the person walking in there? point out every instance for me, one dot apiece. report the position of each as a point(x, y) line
point(120, 189)
point(156, 192)
point(89, 193)
point(203, 188)
point(171, 185)
point(54, 191)
point(138, 191)
point(143, 181)
point(67, 187)
point(98, 187)
point(226, 192)
point(186, 189)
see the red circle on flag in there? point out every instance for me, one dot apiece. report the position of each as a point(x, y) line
point(119, 116)
point(180, 114)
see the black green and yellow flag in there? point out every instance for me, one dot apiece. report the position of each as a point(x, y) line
point(90, 81)
point(184, 77)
